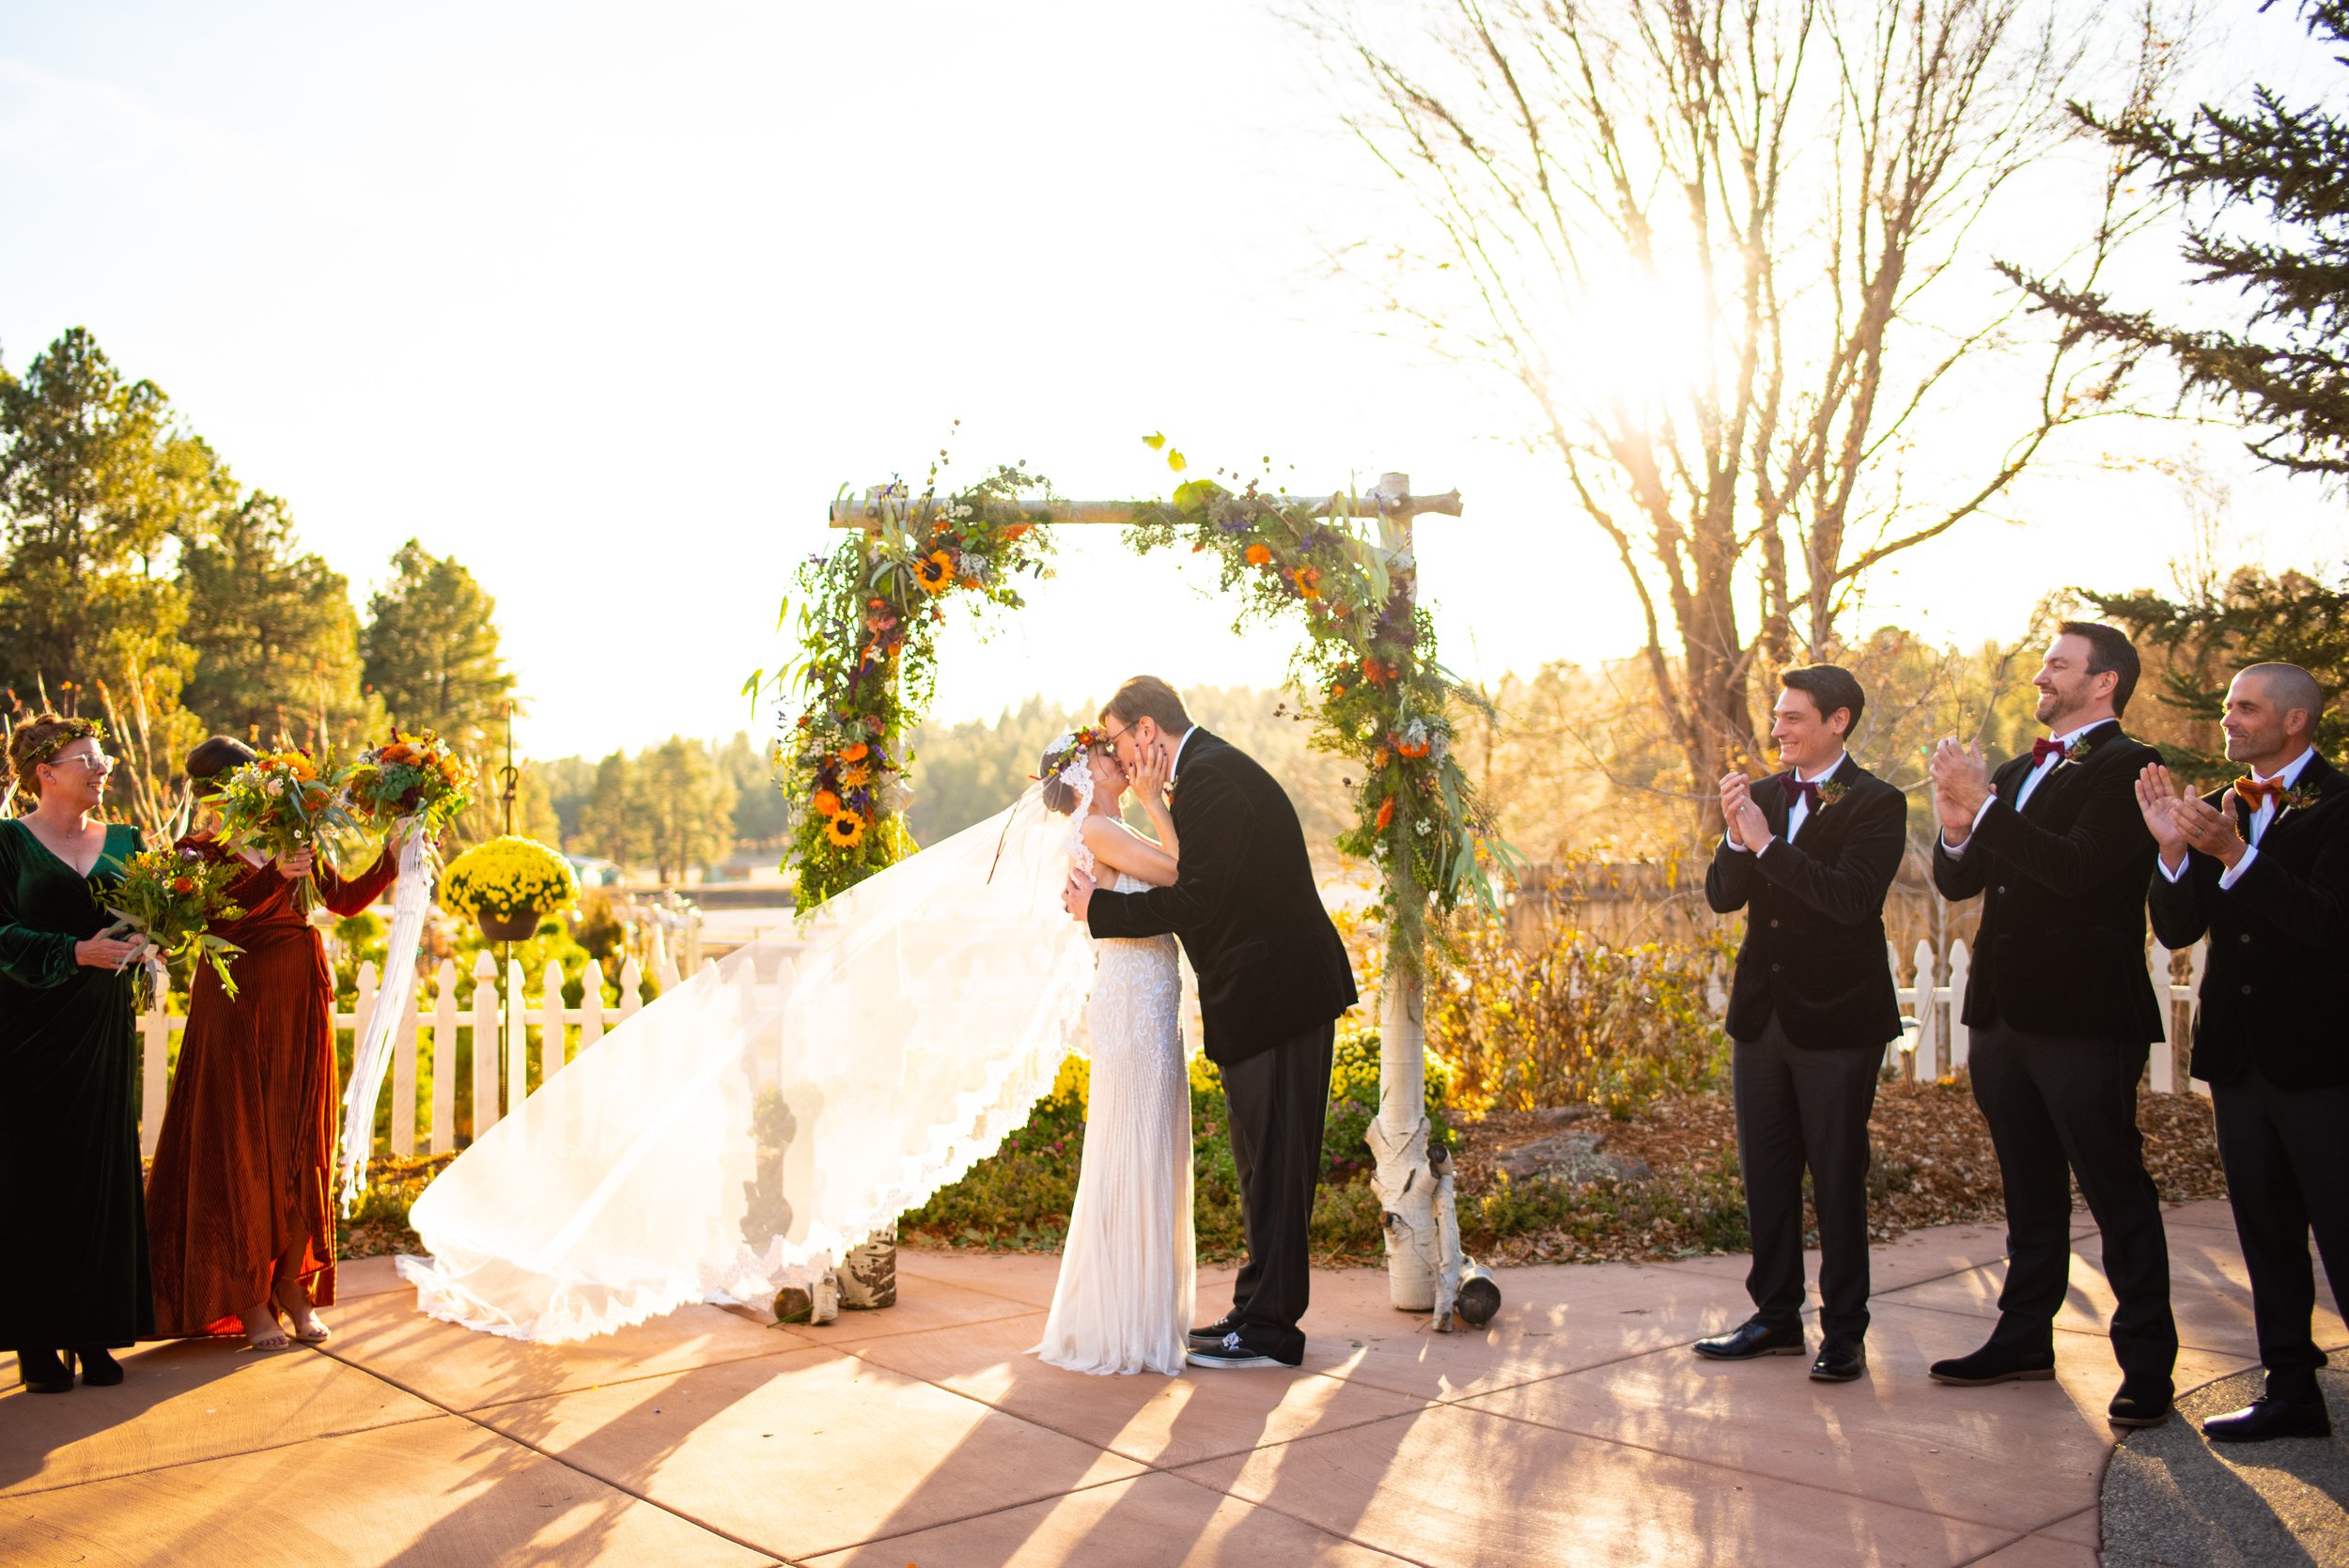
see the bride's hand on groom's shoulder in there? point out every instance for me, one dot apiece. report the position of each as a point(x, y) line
point(1077, 897)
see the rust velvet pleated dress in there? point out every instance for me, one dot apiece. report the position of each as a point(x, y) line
point(245, 1165)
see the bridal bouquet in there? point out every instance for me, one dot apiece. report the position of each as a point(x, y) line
point(279, 804)
point(410, 777)
point(172, 898)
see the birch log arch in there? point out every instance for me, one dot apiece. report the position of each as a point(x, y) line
point(1342, 569)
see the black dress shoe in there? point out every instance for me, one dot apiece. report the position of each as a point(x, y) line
point(2139, 1406)
point(99, 1369)
point(1749, 1339)
point(2266, 1418)
point(1994, 1363)
point(1840, 1362)
point(1235, 1350)
point(1213, 1333)
point(42, 1372)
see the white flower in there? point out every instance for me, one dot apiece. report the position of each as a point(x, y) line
point(1425, 828)
point(962, 509)
point(1439, 748)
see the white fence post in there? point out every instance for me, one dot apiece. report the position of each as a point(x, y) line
point(517, 1039)
point(485, 1043)
point(631, 988)
point(2161, 1068)
point(552, 1053)
point(1961, 970)
point(2193, 995)
point(155, 1082)
point(1928, 1017)
point(444, 1059)
point(404, 1080)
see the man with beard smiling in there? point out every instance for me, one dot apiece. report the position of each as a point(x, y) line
point(2261, 867)
point(2063, 1013)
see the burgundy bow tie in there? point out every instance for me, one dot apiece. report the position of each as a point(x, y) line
point(2042, 749)
point(1801, 789)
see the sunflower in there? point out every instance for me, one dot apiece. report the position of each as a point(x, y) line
point(826, 803)
point(844, 831)
point(935, 572)
point(1308, 580)
point(1259, 556)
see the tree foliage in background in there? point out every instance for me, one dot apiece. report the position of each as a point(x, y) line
point(1795, 189)
point(430, 649)
point(2195, 645)
point(2267, 195)
point(275, 633)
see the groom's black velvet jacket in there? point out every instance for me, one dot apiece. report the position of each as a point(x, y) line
point(1270, 965)
point(1815, 950)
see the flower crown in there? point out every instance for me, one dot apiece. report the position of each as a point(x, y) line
point(77, 729)
point(1071, 746)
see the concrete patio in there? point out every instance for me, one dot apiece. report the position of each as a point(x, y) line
point(1576, 1429)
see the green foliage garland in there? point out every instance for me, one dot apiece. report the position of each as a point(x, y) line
point(868, 622)
point(1370, 669)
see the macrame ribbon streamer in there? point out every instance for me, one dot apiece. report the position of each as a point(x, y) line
point(371, 1056)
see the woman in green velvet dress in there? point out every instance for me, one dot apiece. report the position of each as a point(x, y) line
point(73, 1219)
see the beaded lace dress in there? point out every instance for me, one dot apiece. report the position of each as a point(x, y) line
point(1122, 1303)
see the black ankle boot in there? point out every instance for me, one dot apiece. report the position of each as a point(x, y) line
point(99, 1369)
point(42, 1372)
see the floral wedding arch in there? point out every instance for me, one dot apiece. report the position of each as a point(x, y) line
point(1341, 568)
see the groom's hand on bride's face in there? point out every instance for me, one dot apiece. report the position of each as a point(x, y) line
point(1077, 897)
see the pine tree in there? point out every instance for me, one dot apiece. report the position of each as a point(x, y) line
point(430, 651)
point(273, 627)
point(2268, 197)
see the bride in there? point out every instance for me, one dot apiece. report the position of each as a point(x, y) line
point(1124, 1299)
point(742, 1132)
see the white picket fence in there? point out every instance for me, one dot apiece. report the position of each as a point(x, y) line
point(429, 1031)
point(1937, 994)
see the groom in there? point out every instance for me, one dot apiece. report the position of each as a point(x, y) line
point(1273, 978)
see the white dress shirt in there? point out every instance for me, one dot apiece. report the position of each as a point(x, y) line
point(2054, 761)
point(1799, 813)
point(1175, 763)
point(2261, 819)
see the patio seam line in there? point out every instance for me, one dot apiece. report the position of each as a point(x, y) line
point(934, 1328)
point(206, 1459)
point(1732, 1469)
point(635, 1377)
point(2076, 1333)
point(958, 1284)
point(554, 1458)
point(982, 1513)
point(1986, 1556)
point(1296, 1519)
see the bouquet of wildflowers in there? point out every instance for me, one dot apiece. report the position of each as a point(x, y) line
point(418, 778)
point(280, 803)
point(171, 898)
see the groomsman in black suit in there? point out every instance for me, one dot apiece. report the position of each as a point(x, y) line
point(2063, 1013)
point(1809, 855)
point(2261, 867)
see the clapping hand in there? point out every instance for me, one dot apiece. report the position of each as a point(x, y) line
point(2158, 798)
point(2210, 830)
point(1961, 783)
point(1743, 818)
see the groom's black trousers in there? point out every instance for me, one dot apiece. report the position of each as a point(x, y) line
point(1278, 1100)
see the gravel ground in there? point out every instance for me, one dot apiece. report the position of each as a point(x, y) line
point(2173, 1500)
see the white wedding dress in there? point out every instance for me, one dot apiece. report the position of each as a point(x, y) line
point(1122, 1303)
point(760, 1118)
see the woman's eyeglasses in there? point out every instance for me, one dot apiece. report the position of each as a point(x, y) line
point(97, 762)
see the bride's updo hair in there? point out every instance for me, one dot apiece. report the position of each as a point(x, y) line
point(1056, 794)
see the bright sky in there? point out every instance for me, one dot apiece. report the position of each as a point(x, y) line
point(608, 300)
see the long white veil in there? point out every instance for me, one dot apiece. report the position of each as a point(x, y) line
point(758, 1120)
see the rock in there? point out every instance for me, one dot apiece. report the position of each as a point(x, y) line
point(1559, 1116)
point(1570, 1156)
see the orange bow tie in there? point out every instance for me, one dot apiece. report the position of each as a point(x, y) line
point(2253, 791)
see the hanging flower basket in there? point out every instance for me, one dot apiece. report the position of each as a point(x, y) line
point(507, 885)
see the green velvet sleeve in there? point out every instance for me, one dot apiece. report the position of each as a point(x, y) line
point(30, 954)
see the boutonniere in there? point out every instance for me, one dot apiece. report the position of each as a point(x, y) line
point(2077, 752)
point(1832, 791)
point(2299, 799)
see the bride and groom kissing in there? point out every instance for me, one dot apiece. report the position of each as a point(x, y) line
point(1229, 878)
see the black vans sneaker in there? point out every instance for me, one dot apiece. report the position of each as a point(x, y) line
point(1213, 1333)
point(1232, 1350)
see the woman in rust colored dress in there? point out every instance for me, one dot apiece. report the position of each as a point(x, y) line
point(239, 1212)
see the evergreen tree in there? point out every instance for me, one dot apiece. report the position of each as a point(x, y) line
point(275, 633)
point(761, 815)
point(97, 485)
point(685, 804)
point(430, 651)
point(610, 826)
point(2284, 172)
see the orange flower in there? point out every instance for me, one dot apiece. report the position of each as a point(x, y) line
point(1386, 813)
point(826, 803)
point(183, 884)
point(1411, 750)
point(1259, 556)
point(1378, 759)
point(1017, 530)
point(854, 753)
point(1337, 691)
point(855, 777)
point(1308, 580)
